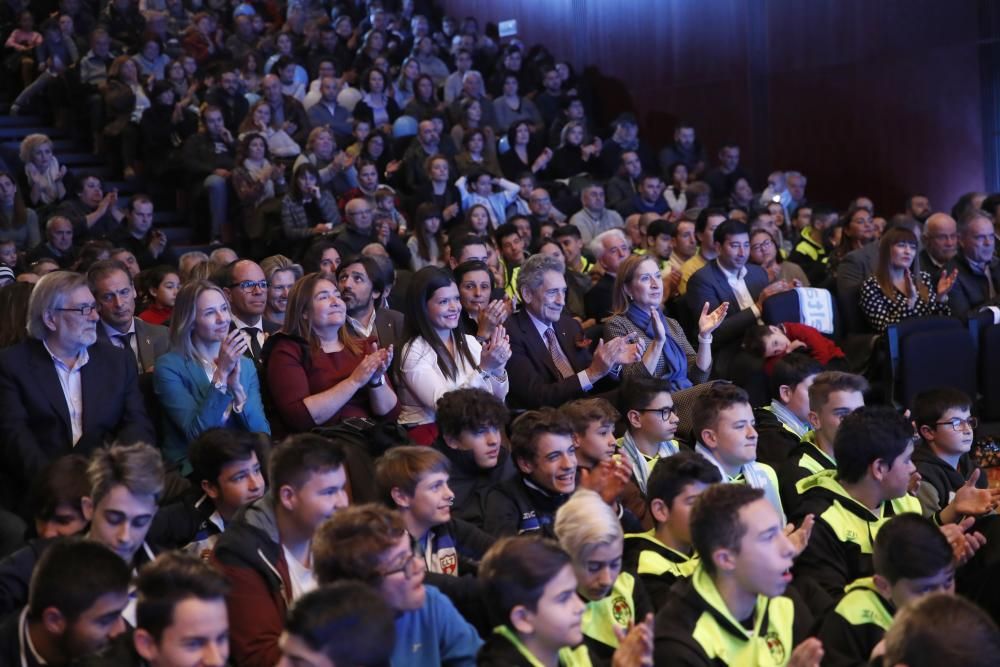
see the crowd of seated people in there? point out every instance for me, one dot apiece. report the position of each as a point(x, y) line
point(460, 377)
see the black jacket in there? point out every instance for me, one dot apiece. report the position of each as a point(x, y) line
point(938, 480)
point(513, 507)
point(471, 484)
point(774, 442)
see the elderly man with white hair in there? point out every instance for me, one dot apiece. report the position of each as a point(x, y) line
point(609, 249)
point(60, 393)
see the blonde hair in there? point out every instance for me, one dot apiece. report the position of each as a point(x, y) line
point(138, 467)
point(186, 312)
point(586, 522)
point(30, 144)
point(626, 272)
point(276, 263)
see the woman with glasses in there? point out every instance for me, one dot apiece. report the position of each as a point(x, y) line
point(318, 373)
point(281, 274)
point(205, 381)
point(764, 253)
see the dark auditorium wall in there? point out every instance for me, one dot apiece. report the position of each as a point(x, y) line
point(863, 97)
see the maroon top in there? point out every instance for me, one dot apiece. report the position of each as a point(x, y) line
point(295, 372)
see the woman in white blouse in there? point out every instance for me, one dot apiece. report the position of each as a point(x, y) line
point(437, 357)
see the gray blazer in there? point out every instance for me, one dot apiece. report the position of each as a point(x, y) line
point(152, 340)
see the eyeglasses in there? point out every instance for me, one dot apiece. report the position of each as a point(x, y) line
point(362, 212)
point(957, 424)
point(85, 310)
point(664, 412)
point(763, 245)
point(248, 285)
point(406, 568)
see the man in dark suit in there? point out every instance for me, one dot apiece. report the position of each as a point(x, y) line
point(550, 362)
point(940, 241)
point(361, 287)
point(978, 282)
point(61, 393)
point(730, 279)
point(111, 284)
point(610, 248)
point(245, 286)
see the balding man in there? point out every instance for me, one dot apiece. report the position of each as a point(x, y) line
point(978, 282)
point(59, 392)
point(58, 243)
point(940, 240)
point(245, 286)
point(286, 111)
point(327, 112)
point(595, 217)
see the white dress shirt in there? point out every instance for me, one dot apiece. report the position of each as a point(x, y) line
point(540, 326)
point(737, 281)
point(70, 380)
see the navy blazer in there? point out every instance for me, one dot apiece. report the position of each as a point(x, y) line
point(191, 405)
point(36, 424)
point(534, 380)
point(709, 284)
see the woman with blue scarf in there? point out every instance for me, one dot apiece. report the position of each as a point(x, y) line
point(668, 355)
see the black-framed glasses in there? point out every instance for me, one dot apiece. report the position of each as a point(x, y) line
point(406, 568)
point(85, 310)
point(957, 424)
point(763, 245)
point(664, 412)
point(248, 285)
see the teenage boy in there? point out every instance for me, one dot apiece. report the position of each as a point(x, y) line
point(369, 543)
point(74, 608)
point(724, 426)
point(782, 425)
point(660, 241)
point(56, 499)
point(942, 629)
point(664, 554)
point(832, 396)
point(469, 422)
point(345, 623)
point(732, 609)
point(532, 590)
point(414, 481)
point(125, 486)
point(545, 455)
point(911, 559)
point(652, 425)
point(874, 450)
point(265, 551)
point(810, 252)
point(180, 617)
point(945, 427)
point(227, 469)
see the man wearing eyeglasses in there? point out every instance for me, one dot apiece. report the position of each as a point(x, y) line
point(978, 282)
point(369, 543)
point(245, 285)
point(111, 284)
point(59, 392)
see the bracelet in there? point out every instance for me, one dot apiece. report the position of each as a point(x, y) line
point(500, 378)
point(705, 339)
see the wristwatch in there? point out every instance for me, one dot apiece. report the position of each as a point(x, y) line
point(376, 382)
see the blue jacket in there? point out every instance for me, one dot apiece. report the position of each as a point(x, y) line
point(435, 635)
point(191, 405)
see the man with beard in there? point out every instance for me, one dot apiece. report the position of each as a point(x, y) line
point(362, 288)
point(68, 616)
point(918, 207)
point(60, 393)
point(245, 286)
point(111, 284)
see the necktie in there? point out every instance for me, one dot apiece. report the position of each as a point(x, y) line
point(125, 342)
point(558, 356)
point(251, 332)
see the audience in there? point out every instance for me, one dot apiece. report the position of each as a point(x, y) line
point(495, 316)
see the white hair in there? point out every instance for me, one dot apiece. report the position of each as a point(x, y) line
point(585, 522)
point(597, 243)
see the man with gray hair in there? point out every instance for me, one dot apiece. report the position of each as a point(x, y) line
point(595, 217)
point(59, 392)
point(609, 249)
point(58, 243)
point(547, 357)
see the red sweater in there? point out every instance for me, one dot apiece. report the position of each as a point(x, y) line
point(291, 377)
point(820, 348)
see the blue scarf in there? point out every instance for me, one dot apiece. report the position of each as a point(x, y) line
point(677, 366)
